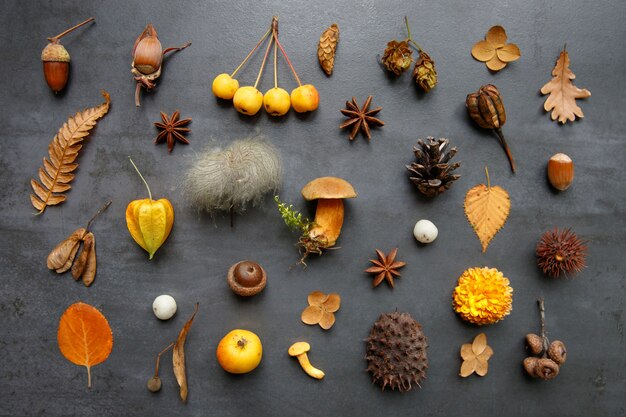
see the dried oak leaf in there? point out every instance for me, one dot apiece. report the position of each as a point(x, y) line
point(84, 336)
point(178, 358)
point(487, 209)
point(55, 174)
point(494, 50)
point(321, 309)
point(563, 94)
point(475, 356)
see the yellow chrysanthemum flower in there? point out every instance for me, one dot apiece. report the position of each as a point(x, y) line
point(482, 296)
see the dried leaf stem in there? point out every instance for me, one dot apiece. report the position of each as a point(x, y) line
point(60, 35)
point(275, 32)
point(267, 51)
point(410, 39)
point(104, 207)
point(505, 147)
point(158, 359)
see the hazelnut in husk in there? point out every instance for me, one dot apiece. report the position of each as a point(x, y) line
point(56, 60)
point(246, 278)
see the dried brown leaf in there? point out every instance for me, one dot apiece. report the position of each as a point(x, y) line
point(563, 94)
point(178, 358)
point(487, 209)
point(55, 173)
point(62, 256)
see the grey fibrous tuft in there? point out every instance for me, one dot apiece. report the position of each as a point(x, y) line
point(234, 177)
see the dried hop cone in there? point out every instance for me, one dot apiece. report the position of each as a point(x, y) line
point(424, 73)
point(432, 170)
point(534, 344)
point(398, 56)
point(557, 352)
point(327, 48)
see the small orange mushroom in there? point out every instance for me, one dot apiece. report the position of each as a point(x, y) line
point(330, 192)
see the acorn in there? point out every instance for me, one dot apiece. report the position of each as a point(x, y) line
point(560, 171)
point(56, 60)
point(530, 365)
point(546, 369)
point(246, 278)
point(557, 352)
point(534, 344)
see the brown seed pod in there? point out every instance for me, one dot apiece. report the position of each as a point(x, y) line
point(530, 365)
point(534, 343)
point(557, 352)
point(546, 369)
point(327, 48)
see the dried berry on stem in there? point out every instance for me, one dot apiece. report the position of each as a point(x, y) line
point(553, 355)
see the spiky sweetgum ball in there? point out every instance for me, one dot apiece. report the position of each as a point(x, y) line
point(560, 252)
point(396, 352)
point(482, 296)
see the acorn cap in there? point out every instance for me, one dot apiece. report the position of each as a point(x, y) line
point(246, 278)
point(328, 188)
point(55, 52)
point(299, 348)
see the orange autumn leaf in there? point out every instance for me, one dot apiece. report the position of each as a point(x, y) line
point(487, 209)
point(562, 93)
point(84, 336)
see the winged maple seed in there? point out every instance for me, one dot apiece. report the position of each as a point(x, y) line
point(563, 94)
point(487, 209)
point(385, 268)
point(56, 173)
point(360, 118)
point(321, 309)
point(475, 356)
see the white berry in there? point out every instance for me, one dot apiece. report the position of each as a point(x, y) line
point(164, 307)
point(425, 231)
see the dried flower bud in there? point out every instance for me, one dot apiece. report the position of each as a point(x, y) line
point(424, 73)
point(534, 344)
point(486, 107)
point(546, 369)
point(154, 384)
point(557, 352)
point(397, 57)
point(530, 365)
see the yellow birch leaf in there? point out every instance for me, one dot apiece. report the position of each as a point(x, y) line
point(487, 209)
point(563, 94)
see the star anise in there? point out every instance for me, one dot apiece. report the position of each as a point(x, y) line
point(172, 129)
point(385, 267)
point(360, 118)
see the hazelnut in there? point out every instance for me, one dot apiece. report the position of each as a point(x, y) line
point(561, 171)
point(246, 278)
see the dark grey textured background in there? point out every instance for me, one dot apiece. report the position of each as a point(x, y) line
point(585, 312)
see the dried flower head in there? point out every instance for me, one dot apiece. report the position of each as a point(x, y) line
point(475, 356)
point(482, 296)
point(494, 50)
point(398, 56)
point(560, 252)
point(424, 73)
point(321, 309)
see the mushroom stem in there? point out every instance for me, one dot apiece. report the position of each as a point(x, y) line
point(328, 221)
point(308, 368)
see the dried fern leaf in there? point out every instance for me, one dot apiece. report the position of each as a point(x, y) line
point(55, 174)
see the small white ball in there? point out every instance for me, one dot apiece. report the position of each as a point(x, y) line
point(164, 307)
point(425, 231)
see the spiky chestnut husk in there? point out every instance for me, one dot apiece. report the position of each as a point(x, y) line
point(396, 352)
point(534, 344)
point(560, 252)
point(557, 352)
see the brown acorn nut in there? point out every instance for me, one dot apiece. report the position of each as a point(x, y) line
point(534, 344)
point(530, 365)
point(546, 369)
point(560, 171)
point(557, 352)
point(56, 60)
point(246, 278)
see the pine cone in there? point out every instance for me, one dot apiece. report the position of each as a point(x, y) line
point(327, 47)
point(397, 57)
point(433, 170)
point(424, 73)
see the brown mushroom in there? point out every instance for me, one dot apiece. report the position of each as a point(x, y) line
point(246, 278)
point(330, 192)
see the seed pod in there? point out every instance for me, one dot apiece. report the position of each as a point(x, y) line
point(327, 47)
point(557, 352)
point(62, 256)
point(534, 344)
point(530, 365)
point(154, 384)
point(546, 369)
point(56, 60)
point(486, 108)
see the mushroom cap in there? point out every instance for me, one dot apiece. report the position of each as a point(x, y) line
point(243, 290)
point(299, 348)
point(328, 187)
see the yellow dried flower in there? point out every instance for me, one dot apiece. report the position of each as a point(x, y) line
point(482, 296)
